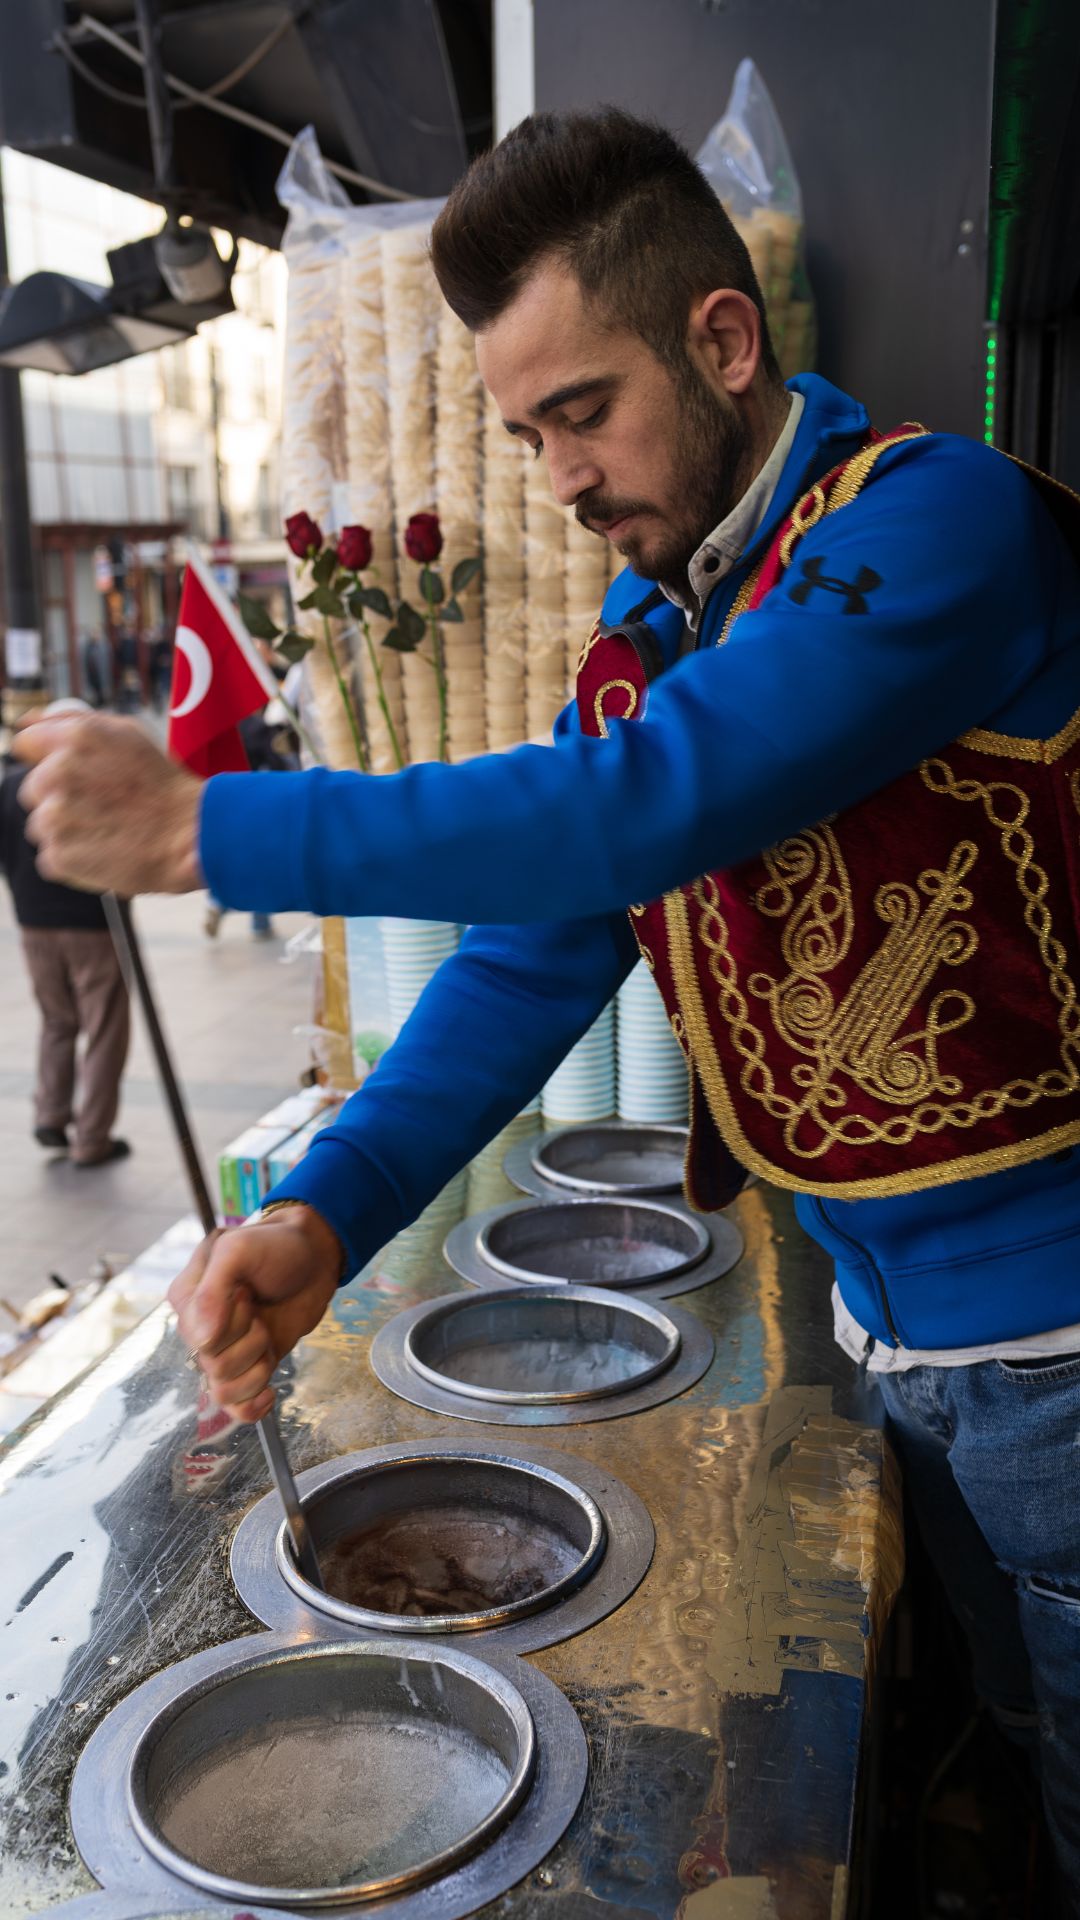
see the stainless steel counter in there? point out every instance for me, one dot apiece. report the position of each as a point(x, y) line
point(723, 1702)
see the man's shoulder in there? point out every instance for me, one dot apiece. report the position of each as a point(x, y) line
point(939, 485)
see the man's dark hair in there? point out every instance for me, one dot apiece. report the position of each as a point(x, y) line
point(619, 201)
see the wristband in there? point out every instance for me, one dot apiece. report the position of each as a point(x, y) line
point(275, 1206)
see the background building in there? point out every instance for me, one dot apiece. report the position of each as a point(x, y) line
point(125, 464)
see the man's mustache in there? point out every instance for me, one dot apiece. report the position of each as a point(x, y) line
point(594, 511)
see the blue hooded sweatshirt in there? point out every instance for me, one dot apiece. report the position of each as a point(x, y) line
point(975, 622)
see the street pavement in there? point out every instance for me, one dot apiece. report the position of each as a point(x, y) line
point(229, 1007)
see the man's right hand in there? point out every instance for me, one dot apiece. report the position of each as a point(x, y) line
point(248, 1294)
point(108, 811)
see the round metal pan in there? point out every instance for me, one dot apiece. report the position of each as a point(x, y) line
point(605, 1157)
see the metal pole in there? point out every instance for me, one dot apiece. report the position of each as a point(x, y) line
point(158, 103)
point(129, 953)
point(16, 536)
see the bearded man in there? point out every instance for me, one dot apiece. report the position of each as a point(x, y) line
point(823, 769)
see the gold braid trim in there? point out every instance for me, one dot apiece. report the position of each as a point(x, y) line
point(1012, 746)
point(611, 686)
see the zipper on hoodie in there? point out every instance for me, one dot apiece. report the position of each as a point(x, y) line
point(864, 1260)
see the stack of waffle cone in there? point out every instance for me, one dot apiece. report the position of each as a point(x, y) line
point(587, 563)
point(504, 582)
point(458, 427)
point(370, 491)
point(314, 455)
point(545, 603)
point(410, 307)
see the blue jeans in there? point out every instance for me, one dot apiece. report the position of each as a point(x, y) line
point(991, 1460)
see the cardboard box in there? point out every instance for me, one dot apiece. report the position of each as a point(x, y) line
point(285, 1156)
point(244, 1170)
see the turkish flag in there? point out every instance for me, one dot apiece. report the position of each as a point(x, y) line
point(217, 679)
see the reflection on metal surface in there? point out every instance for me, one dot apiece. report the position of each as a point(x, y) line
point(732, 1899)
point(686, 1781)
point(811, 1554)
point(330, 1775)
point(482, 1761)
point(576, 1542)
point(446, 1543)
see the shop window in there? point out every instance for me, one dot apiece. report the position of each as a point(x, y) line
point(176, 378)
point(265, 517)
point(182, 499)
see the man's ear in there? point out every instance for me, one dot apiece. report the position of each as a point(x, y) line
point(725, 337)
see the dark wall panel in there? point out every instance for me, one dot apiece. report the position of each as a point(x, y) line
point(886, 107)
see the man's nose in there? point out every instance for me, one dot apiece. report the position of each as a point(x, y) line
point(571, 475)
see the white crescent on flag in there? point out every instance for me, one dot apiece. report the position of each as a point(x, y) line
point(197, 654)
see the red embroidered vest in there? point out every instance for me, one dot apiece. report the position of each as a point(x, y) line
point(886, 1001)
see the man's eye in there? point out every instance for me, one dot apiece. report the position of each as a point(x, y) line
point(592, 419)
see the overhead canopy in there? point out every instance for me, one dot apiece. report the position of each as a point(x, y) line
point(397, 90)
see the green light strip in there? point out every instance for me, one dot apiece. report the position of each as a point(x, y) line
point(991, 389)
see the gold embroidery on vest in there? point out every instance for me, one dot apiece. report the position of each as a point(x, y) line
point(1011, 746)
point(613, 686)
point(588, 647)
point(707, 1072)
point(860, 1040)
point(740, 603)
point(802, 522)
point(1019, 848)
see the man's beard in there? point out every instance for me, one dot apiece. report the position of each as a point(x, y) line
point(712, 446)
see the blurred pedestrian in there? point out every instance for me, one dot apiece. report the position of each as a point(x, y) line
point(161, 653)
point(78, 986)
point(129, 684)
point(95, 667)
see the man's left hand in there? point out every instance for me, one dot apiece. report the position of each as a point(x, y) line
point(108, 811)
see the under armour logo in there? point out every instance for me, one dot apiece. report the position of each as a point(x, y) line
point(854, 591)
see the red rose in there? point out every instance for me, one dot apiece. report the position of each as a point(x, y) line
point(354, 548)
point(423, 538)
point(302, 534)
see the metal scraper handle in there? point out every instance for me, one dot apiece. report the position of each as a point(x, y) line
point(295, 1518)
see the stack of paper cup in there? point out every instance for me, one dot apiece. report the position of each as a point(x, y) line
point(488, 1184)
point(653, 1083)
point(413, 950)
point(583, 1087)
point(416, 1254)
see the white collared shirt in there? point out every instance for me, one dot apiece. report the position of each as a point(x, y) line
point(724, 547)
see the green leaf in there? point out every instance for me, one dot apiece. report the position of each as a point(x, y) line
point(451, 613)
point(463, 575)
point(322, 569)
point(374, 599)
point(432, 586)
point(256, 619)
point(398, 642)
point(412, 625)
point(293, 646)
point(325, 601)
